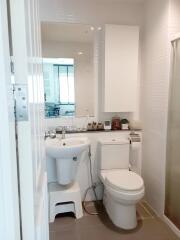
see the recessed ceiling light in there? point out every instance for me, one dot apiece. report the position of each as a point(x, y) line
point(92, 28)
point(80, 53)
point(99, 28)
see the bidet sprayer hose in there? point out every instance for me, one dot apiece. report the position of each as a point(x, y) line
point(93, 185)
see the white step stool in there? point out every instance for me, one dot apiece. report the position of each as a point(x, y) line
point(64, 199)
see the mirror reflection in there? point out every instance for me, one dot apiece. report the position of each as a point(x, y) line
point(68, 69)
point(59, 86)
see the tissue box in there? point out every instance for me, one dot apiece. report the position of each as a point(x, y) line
point(124, 126)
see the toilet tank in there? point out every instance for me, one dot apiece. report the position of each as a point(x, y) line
point(114, 153)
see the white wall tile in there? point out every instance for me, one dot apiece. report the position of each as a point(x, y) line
point(161, 22)
point(96, 13)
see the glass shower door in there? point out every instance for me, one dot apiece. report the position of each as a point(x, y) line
point(172, 200)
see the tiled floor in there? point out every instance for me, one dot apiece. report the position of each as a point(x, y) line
point(99, 227)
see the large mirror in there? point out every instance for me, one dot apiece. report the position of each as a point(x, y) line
point(68, 69)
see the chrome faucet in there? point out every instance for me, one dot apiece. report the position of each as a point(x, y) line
point(63, 132)
point(50, 134)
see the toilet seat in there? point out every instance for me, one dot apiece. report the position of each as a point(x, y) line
point(124, 180)
point(123, 185)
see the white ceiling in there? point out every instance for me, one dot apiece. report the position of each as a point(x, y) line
point(62, 32)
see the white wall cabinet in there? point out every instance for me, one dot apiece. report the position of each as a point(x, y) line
point(121, 47)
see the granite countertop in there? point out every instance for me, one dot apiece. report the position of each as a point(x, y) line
point(95, 131)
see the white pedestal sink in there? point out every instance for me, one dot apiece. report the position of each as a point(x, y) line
point(67, 153)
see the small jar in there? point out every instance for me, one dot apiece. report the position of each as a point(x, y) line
point(124, 124)
point(116, 123)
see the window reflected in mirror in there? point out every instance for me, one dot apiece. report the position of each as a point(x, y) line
point(58, 76)
point(68, 53)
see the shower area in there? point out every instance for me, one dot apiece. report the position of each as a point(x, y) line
point(172, 198)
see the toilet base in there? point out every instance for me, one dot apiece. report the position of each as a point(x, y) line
point(123, 216)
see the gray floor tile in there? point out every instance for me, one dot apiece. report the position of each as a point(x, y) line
point(93, 227)
point(68, 234)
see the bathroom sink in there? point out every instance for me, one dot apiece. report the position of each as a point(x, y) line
point(67, 153)
point(66, 148)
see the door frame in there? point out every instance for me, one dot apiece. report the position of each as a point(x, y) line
point(9, 201)
point(26, 45)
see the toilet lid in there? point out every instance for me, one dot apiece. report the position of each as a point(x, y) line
point(124, 180)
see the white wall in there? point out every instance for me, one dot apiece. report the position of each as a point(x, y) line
point(161, 20)
point(96, 13)
point(174, 21)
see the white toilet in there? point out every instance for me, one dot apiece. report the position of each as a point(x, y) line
point(122, 188)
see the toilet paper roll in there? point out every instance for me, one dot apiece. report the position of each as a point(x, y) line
point(135, 146)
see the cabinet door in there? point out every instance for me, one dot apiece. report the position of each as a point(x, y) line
point(121, 68)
